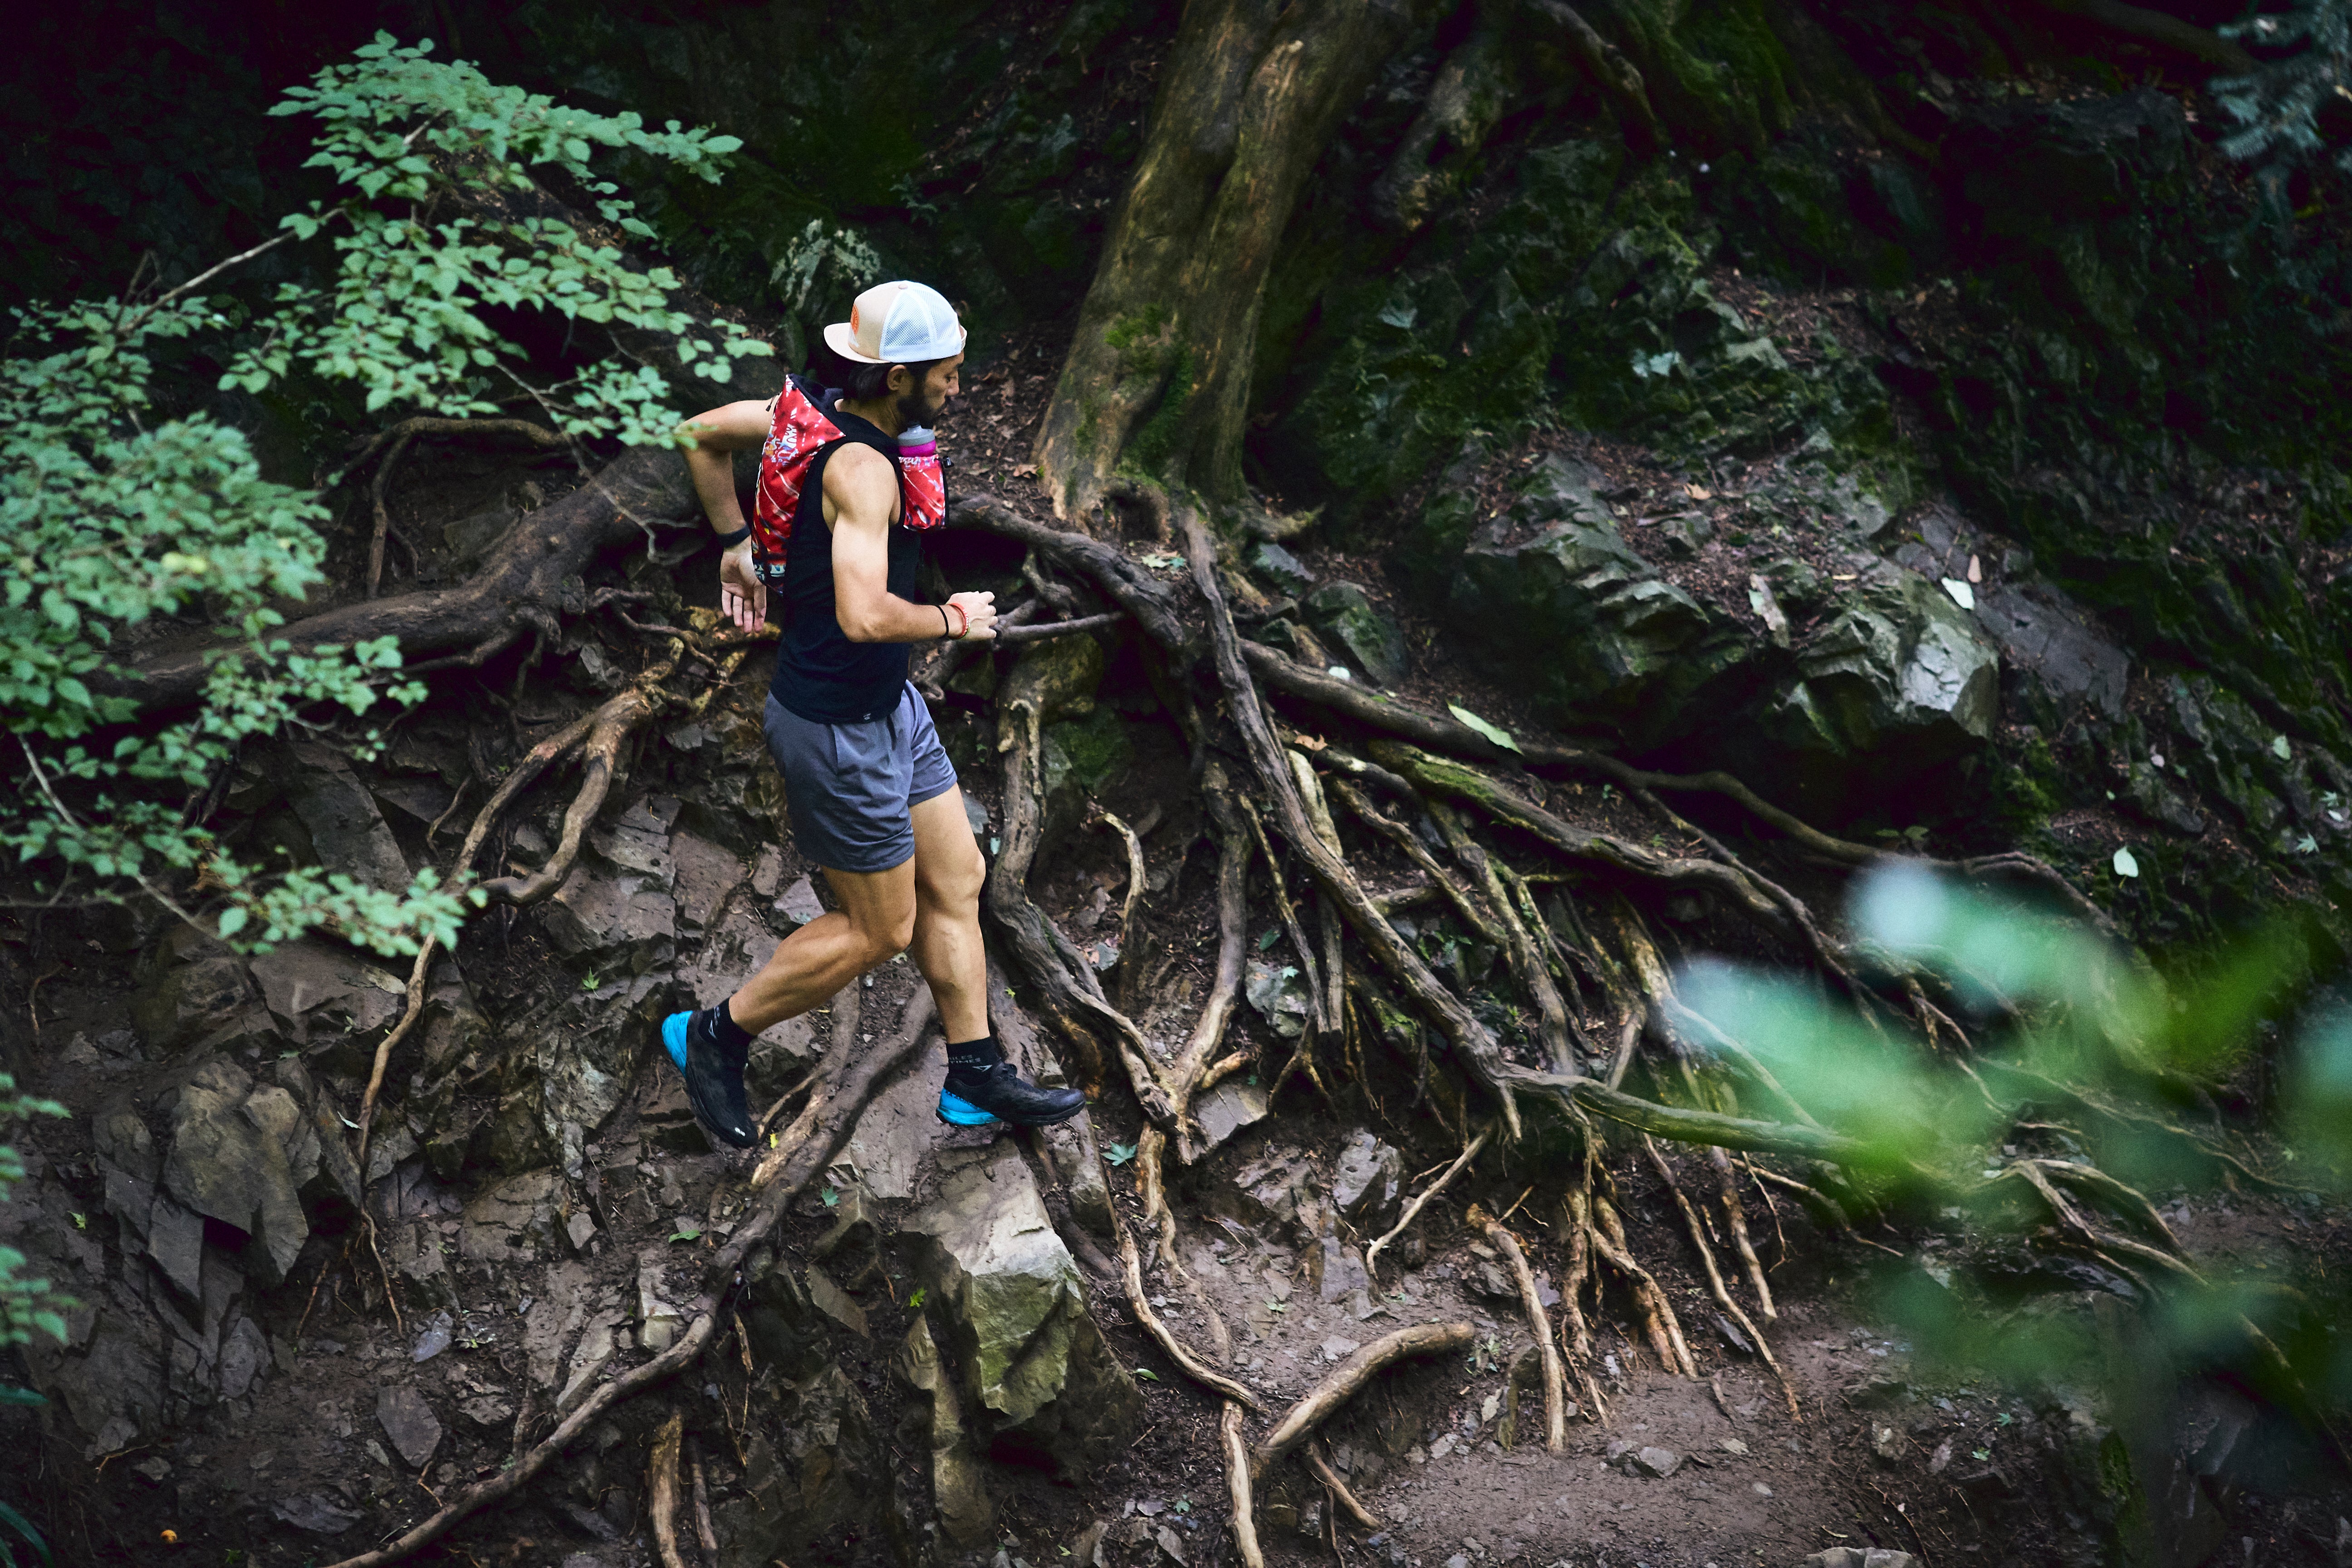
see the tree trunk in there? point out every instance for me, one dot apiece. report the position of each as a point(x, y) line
point(1158, 376)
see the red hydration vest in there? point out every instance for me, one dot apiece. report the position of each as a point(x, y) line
point(798, 431)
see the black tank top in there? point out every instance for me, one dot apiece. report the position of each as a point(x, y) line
point(821, 675)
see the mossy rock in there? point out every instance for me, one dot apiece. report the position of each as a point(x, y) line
point(1571, 615)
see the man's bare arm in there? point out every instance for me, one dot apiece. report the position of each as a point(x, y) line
point(861, 490)
point(717, 435)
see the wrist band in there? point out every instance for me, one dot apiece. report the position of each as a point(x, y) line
point(964, 622)
point(947, 630)
point(730, 541)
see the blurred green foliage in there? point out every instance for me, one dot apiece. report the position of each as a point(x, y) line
point(2053, 1155)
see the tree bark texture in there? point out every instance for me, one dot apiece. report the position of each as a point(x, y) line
point(1157, 374)
point(533, 573)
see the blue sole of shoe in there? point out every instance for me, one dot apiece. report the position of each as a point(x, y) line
point(958, 1111)
point(673, 1038)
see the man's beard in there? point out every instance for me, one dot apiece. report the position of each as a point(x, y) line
point(915, 410)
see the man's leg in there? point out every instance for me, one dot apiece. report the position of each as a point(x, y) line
point(982, 1085)
point(710, 1047)
point(876, 920)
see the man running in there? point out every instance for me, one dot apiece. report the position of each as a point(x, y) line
point(846, 489)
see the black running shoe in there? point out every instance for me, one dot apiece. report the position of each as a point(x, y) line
point(714, 1078)
point(1001, 1094)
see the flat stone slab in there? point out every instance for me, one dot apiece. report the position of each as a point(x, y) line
point(901, 1127)
point(409, 1422)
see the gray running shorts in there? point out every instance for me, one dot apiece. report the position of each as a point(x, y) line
point(850, 788)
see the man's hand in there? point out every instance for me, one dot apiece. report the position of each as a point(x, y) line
point(981, 609)
point(742, 597)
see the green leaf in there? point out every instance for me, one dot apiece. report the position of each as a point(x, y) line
point(829, 1196)
point(1146, 1374)
point(24, 1527)
point(11, 1395)
point(1267, 937)
point(1494, 733)
point(915, 1300)
point(689, 1235)
point(2279, 748)
point(2127, 864)
point(1119, 1154)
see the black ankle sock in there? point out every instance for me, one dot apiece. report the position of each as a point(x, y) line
point(973, 1058)
point(725, 1029)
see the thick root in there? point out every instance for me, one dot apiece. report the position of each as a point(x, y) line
point(1531, 1300)
point(1237, 1485)
point(1361, 1366)
point(662, 1490)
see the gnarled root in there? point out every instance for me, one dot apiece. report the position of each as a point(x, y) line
point(1071, 998)
point(1237, 1485)
point(1319, 1403)
point(1555, 1384)
point(662, 1490)
point(1607, 1234)
point(1469, 1037)
point(1193, 1367)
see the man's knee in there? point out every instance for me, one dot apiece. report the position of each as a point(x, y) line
point(955, 885)
point(886, 937)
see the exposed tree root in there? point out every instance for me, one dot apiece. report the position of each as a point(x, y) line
point(392, 442)
point(1153, 602)
point(1519, 946)
point(1071, 998)
point(1665, 1330)
point(703, 1530)
point(1687, 1126)
point(1555, 1384)
point(1130, 957)
point(847, 1077)
point(1192, 1366)
point(611, 728)
point(528, 1465)
point(1322, 1470)
point(1576, 1207)
point(1237, 1485)
point(662, 1490)
point(1442, 775)
point(1413, 1210)
point(1469, 1037)
point(1020, 634)
point(537, 567)
point(1723, 1298)
point(1735, 1217)
point(1361, 1366)
point(1394, 717)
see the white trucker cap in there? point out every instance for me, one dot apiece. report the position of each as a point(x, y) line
point(897, 323)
